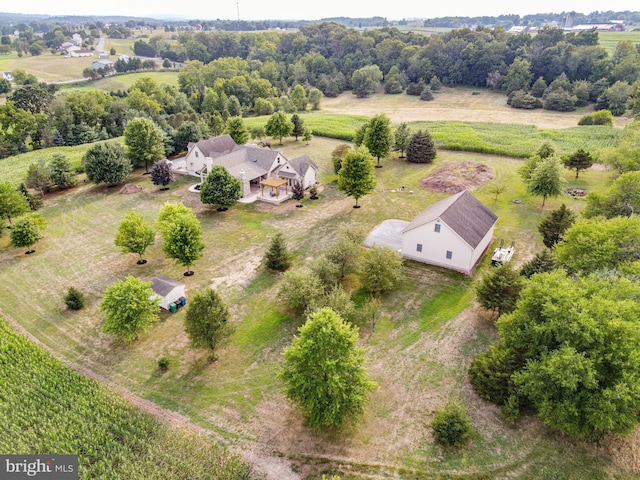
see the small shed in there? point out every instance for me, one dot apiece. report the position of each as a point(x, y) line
point(167, 291)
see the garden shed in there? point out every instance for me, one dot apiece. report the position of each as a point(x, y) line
point(168, 291)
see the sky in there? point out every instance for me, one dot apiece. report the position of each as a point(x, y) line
point(311, 10)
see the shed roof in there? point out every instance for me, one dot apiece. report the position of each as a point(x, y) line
point(164, 285)
point(463, 213)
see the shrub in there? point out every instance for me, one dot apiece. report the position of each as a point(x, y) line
point(601, 117)
point(163, 364)
point(523, 100)
point(452, 425)
point(426, 94)
point(74, 299)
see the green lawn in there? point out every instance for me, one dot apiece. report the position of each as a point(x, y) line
point(419, 352)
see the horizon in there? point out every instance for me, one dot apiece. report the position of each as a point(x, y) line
point(251, 10)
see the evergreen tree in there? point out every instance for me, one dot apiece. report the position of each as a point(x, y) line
point(298, 126)
point(106, 163)
point(421, 148)
point(553, 227)
point(579, 160)
point(61, 171)
point(277, 256)
point(236, 128)
point(74, 299)
point(499, 289)
point(544, 261)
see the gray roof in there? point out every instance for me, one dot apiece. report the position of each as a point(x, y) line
point(463, 213)
point(163, 285)
point(215, 146)
point(261, 157)
point(302, 163)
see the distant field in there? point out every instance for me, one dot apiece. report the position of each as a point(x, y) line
point(123, 82)
point(609, 40)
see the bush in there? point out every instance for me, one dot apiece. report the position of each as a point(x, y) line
point(163, 364)
point(74, 299)
point(601, 117)
point(452, 425)
point(523, 100)
point(426, 94)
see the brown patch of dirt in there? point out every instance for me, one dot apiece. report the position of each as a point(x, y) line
point(453, 177)
point(130, 188)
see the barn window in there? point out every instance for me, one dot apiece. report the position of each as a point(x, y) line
point(437, 229)
point(419, 247)
point(449, 254)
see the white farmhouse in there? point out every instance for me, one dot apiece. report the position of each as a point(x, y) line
point(452, 233)
point(250, 164)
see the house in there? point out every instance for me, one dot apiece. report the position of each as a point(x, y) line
point(102, 64)
point(7, 76)
point(250, 164)
point(452, 233)
point(167, 291)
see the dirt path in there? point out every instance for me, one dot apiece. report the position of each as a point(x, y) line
point(273, 468)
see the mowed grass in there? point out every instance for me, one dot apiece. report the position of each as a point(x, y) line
point(123, 82)
point(47, 67)
point(424, 339)
point(609, 40)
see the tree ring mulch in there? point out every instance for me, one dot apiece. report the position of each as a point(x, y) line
point(189, 273)
point(357, 206)
point(141, 262)
point(29, 252)
point(454, 177)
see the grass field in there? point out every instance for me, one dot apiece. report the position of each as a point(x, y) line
point(419, 353)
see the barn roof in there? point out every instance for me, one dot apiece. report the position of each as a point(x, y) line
point(463, 213)
point(164, 285)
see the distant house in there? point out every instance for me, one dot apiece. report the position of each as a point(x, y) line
point(250, 164)
point(78, 52)
point(452, 233)
point(102, 64)
point(103, 55)
point(167, 291)
point(7, 76)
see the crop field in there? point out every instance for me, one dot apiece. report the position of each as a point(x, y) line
point(429, 331)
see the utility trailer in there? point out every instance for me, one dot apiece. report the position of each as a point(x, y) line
point(503, 254)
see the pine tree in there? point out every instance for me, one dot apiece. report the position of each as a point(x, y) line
point(553, 227)
point(421, 148)
point(277, 256)
point(298, 126)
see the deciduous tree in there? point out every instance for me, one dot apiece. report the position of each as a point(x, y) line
point(162, 174)
point(144, 142)
point(380, 269)
point(299, 98)
point(366, 80)
point(129, 308)
point(324, 371)
point(12, 202)
point(134, 236)
point(220, 188)
point(26, 231)
point(378, 137)
point(546, 179)
point(207, 321)
point(402, 136)
point(356, 177)
point(182, 237)
point(278, 126)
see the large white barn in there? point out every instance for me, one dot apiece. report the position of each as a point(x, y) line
point(452, 233)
